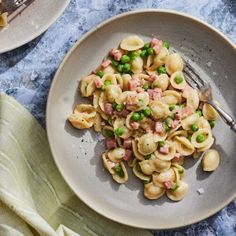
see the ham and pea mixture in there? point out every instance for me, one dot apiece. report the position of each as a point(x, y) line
point(151, 119)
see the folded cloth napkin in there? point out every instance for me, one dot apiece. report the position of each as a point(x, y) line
point(34, 198)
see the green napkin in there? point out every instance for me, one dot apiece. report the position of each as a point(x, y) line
point(34, 198)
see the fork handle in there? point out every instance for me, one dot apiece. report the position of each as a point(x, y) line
point(228, 119)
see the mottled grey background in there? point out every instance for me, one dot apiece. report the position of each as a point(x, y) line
point(26, 73)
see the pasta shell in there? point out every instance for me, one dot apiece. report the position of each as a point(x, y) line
point(139, 174)
point(159, 110)
point(152, 191)
point(159, 136)
point(113, 92)
point(211, 142)
point(131, 43)
point(189, 120)
point(120, 123)
point(209, 112)
point(193, 99)
point(147, 167)
point(117, 154)
point(171, 97)
point(96, 96)
point(108, 164)
point(170, 155)
point(120, 81)
point(162, 82)
point(126, 78)
point(203, 123)
point(137, 65)
point(120, 179)
point(137, 154)
point(208, 138)
point(183, 146)
point(87, 110)
point(109, 70)
point(183, 133)
point(109, 77)
point(146, 144)
point(174, 84)
point(87, 86)
point(141, 101)
point(98, 123)
point(173, 63)
point(160, 178)
point(179, 193)
point(160, 58)
point(210, 160)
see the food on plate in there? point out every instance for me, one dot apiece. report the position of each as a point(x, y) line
point(151, 118)
point(3, 19)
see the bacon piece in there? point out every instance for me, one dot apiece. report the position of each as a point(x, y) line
point(169, 184)
point(134, 125)
point(111, 143)
point(128, 143)
point(128, 155)
point(108, 108)
point(122, 113)
point(98, 82)
point(164, 149)
point(159, 127)
point(106, 63)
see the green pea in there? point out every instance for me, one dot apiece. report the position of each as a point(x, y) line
point(174, 187)
point(212, 123)
point(126, 67)
point(133, 55)
point(114, 104)
point(124, 59)
point(201, 138)
point(161, 70)
point(119, 131)
point(194, 127)
point(166, 45)
point(109, 133)
point(119, 171)
point(147, 157)
point(145, 87)
point(171, 107)
point(150, 51)
point(199, 112)
point(146, 45)
point(141, 116)
point(161, 143)
point(114, 63)
point(147, 112)
point(143, 53)
point(119, 107)
point(100, 73)
point(179, 79)
point(135, 116)
point(120, 68)
point(107, 83)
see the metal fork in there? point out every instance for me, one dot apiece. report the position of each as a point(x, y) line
point(12, 5)
point(205, 94)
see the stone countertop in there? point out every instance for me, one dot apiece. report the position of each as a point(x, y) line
point(26, 73)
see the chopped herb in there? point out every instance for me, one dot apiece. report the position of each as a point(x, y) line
point(166, 45)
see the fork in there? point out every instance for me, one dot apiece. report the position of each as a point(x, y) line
point(12, 5)
point(205, 94)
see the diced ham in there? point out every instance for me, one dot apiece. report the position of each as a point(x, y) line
point(158, 90)
point(169, 184)
point(152, 77)
point(93, 72)
point(164, 149)
point(174, 124)
point(178, 115)
point(139, 90)
point(133, 84)
point(128, 143)
point(106, 63)
point(159, 127)
point(122, 113)
point(98, 82)
point(157, 46)
point(176, 157)
point(154, 42)
point(111, 143)
point(116, 53)
point(201, 105)
point(111, 164)
point(187, 111)
point(131, 99)
point(134, 125)
point(128, 155)
point(112, 51)
point(154, 94)
point(108, 108)
point(150, 93)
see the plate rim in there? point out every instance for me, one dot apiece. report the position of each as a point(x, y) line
point(39, 32)
point(50, 94)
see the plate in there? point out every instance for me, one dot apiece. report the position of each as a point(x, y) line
point(32, 22)
point(78, 153)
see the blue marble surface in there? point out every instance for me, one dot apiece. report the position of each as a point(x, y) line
point(26, 73)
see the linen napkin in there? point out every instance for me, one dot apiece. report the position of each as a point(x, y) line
point(34, 198)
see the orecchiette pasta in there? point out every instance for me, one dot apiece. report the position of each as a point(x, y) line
point(151, 119)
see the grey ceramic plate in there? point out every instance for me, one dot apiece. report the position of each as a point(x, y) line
point(77, 153)
point(32, 22)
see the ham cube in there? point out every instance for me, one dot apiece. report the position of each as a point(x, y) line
point(187, 111)
point(159, 127)
point(134, 125)
point(106, 63)
point(152, 77)
point(98, 82)
point(108, 108)
point(128, 143)
point(133, 84)
point(150, 93)
point(169, 184)
point(128, 155)
point(164, 150)
point(176, 157)
point(154, 42)
point(111, 143)
point(174, 124)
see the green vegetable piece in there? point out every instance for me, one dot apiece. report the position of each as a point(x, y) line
point(126, 68)
point(146, 45)
point(141, 116)
point(119, 131)
point(167, 128)
point(147, 112)
point(212, 123)
point(155, 84)
point(124, 59)
point(194, 127)
point(119, 171)
point(174, 187)
point(145, 87)
point(143, 53)
point(161, 143)
point(171, 107)
point(133, 55)
point(147, 157)
point(107, 83)
point(114, 104)
point(114, 63)
point(109, 133)
point(135, 116)
point(179, 79)
point(150, 51)
point(119, 107)
point(199, 112)
point(161, 70)
point(100, 73)
point(166, 45)
point(120, 68)
point(201, 138)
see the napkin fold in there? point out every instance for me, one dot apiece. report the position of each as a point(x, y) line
point(34, 198)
